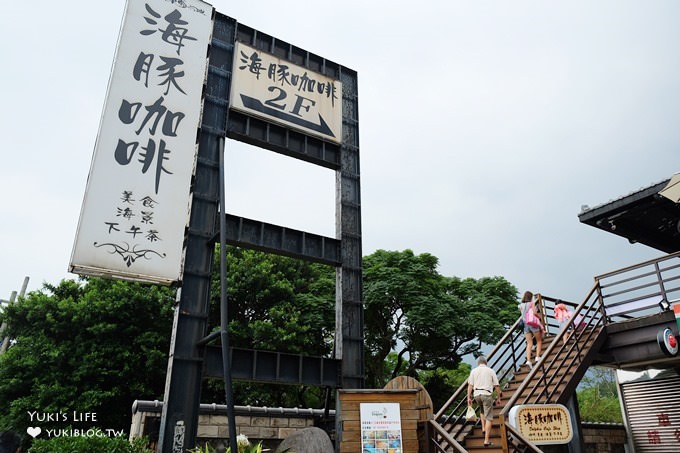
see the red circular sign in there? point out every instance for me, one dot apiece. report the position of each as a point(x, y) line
point(667, 342)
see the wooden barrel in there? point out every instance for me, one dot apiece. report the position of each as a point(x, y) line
point(423, 400)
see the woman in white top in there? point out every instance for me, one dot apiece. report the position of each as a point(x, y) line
point(531, 333)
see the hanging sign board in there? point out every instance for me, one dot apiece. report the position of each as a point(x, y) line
point(137, 200)
point(277, 90)
point(380, 427)
point(543, 424)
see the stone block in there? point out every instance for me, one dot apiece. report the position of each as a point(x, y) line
point(207, 431)
point(297, 422)
point(219, 420)
point(279, 422)
point(259, 421)
point(242, 420)
point(285, 432)
point(249, 431)
point(269, 433)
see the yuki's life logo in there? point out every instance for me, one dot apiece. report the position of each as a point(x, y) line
point(52, 418)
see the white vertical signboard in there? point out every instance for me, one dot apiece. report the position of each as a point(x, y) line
point(137, 201)
point(380, 428)
point(277, 90)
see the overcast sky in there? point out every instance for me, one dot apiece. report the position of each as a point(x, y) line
point(484, 127)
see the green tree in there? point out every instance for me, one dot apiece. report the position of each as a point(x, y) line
point(279, 304)
point(429, 320)
point(598, 399)
point(97, 345)
point(442, 383)
point(91, 347)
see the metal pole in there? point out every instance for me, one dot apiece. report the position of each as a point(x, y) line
point(3, 327)
point(224, 309)
point(6, 339)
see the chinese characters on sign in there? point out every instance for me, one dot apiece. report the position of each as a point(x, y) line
point(543, 423)
point(380, 428)
point(137, 200)
point(661, 436)
point(133, 222)
point(277, 90)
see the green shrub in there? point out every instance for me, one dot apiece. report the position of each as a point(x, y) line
point(79, 444)
point(242, 443)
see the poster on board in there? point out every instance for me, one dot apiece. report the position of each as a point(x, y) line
point(380, 428)
point(138, 196)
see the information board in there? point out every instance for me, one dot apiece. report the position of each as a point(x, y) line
point(380, 428)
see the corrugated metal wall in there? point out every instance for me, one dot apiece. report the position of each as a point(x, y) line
point(653, 413)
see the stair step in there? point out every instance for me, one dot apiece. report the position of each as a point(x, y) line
point(495, 448)
point(513, 383)
point(478, 440)
point(475, 441)
point(561, 376)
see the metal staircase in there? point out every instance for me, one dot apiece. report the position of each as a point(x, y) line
point(620, 295)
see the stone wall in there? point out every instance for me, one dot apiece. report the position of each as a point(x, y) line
point(604, 437)
point(269, 425)
point(272, 425)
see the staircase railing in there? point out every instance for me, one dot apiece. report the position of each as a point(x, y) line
point(552, 379)
point(641, 289)
point(506, 358)
point(442, 441)
point(633, 291)
point(451, 417)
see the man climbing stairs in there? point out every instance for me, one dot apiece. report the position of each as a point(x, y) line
point(552, 380)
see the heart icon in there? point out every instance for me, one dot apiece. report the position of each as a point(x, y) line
point(33, 431)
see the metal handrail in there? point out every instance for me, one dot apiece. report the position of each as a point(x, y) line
point(545, 367)
point(632, 286)
point(506, 357)
point(547, 383)
point(626, 269)
point(503, 357)
point(545, 374)
point(490, 356)
point(447, 437)
point(517, 435)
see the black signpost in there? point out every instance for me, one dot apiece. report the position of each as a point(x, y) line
point(301, 140)
point(179, 418)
